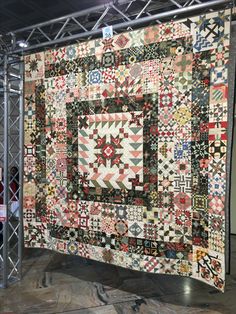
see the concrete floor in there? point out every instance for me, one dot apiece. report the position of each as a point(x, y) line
point(56, 283)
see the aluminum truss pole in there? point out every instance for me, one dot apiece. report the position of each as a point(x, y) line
point(6, 175)
point(11, 157)
point(1, 159)
point(92, 32)
point(21, 165)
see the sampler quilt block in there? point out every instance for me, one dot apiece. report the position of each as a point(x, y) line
point(125, 148)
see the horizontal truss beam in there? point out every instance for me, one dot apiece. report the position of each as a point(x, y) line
point(89, 23)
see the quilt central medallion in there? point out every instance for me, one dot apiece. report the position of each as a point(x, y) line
point(110, 149)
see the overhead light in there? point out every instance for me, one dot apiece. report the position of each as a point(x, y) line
point(22, 44)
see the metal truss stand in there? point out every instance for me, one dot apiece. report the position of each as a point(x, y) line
point(121, 14)
point(86, 24)
point(11, 163)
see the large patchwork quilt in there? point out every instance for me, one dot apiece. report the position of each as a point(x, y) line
point(125, 148)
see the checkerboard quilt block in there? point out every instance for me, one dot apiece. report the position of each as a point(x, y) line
point(125, 148)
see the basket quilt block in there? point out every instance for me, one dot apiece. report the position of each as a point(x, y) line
point(125, 148)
